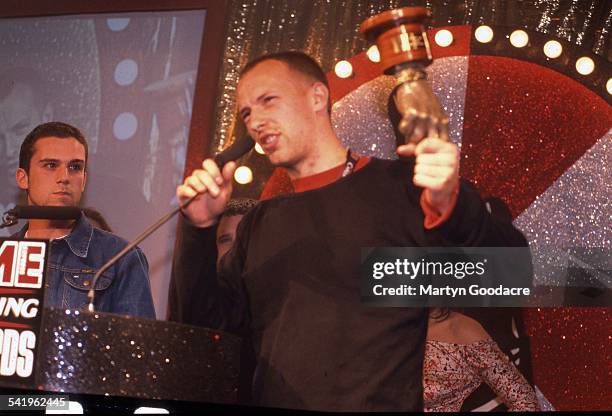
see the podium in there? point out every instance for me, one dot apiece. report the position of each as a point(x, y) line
point(105, 354)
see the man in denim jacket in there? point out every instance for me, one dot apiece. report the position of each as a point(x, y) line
point(52, 170)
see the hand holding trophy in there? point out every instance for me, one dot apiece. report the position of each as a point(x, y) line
point(404, 50)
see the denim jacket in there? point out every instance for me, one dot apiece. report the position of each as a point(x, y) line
point(74, 259)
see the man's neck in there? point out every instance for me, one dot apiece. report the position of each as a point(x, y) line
point(49, 230)
point(328, 153)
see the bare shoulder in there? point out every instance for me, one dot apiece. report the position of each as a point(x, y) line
point(466, 330)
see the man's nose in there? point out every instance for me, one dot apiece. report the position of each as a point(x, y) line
point(256, 122)
point(62, 175)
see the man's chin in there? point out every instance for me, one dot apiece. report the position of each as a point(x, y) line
point(277, 160)
point(61, 202)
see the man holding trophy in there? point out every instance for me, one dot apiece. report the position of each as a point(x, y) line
point(291, 281)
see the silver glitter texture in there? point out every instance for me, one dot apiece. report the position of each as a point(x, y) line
point(360, 118)
point(574, 212)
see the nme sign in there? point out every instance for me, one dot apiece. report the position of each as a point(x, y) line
point(22, 267)
point(22, 264)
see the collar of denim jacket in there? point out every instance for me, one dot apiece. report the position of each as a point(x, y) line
point(80, 237)
point(78, 240)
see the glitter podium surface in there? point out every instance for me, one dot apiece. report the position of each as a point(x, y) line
point(112, 355)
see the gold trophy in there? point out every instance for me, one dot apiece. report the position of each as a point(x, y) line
point(404, 53)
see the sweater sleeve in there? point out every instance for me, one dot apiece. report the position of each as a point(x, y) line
point(432, 217)
point(470, 224)
point(185, 282)
point(199, 295)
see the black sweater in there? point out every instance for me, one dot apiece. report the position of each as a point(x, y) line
point(291, 283)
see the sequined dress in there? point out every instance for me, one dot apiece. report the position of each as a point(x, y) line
point(452, 371)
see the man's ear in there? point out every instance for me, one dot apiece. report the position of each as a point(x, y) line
point(320, 96)
point(21, 177)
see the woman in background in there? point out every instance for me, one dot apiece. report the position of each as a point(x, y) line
point(459, 356)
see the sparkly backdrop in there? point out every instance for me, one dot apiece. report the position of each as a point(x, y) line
point(328, 31)
point(571, 346)
point(550, 165)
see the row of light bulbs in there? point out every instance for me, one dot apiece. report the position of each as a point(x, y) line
point(519, 39)
point(484, 34)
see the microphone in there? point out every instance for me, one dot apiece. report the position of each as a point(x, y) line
point(42, 212)
point(27, 212)
point(236, 150)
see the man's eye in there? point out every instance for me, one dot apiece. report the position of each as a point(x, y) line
point(50, 165)
point(269, 98)
point(76, 167)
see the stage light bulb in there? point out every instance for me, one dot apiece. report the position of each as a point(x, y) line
point(444, 38)
point(519, 38)
point(243, 175)
point(484, 34)
point(373, 53)
point(609, 86)
point(259, 149)
point(553, 49)
point(343, 69)
point(585, 65)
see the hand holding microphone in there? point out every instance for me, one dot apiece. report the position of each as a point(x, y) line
point(202, 199)
point(204, 194)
